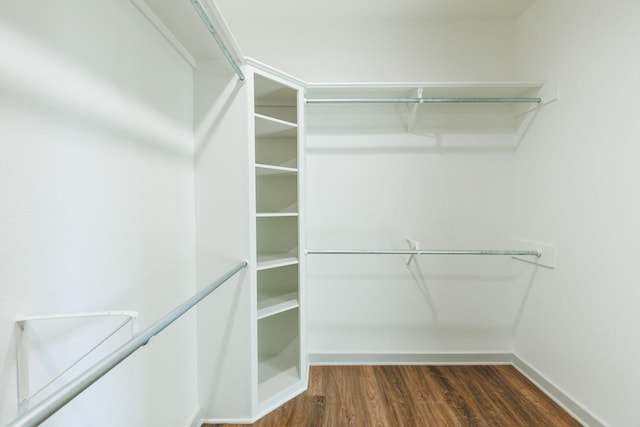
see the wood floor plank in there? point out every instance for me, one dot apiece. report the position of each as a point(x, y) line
point(417, 396)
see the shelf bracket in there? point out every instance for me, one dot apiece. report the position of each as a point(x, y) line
point(414, 246)
point(546, 257)
point(25, 395)
point(411, 119)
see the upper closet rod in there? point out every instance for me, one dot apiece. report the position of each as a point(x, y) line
point(207, 22)
point(420, 100)
point(535, 253)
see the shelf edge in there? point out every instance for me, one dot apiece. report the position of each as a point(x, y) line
point(275, 120)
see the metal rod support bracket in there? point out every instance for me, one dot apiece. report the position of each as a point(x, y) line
point(43, 410)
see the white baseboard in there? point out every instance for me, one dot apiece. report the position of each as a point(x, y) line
point(410, 359)
point(554, 392)
point(195, 421)
point(264, 408)
point(228, 421)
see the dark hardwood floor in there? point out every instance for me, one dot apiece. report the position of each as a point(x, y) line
point(417, 396)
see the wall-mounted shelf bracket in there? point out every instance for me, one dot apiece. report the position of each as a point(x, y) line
point(25, 395)
point(414, 246)
point(547, 257)
point(548, 94)
point(413, 110)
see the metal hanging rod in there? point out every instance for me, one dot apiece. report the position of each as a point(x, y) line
point(535, 253)
point(43, 410)
point(421, 100)
point(209, 24)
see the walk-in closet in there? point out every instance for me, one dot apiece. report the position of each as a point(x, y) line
point(204, 204)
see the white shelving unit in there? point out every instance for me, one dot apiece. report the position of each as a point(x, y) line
point(446, 111)
point(503, 89)
point(263, 370)
point(281, 361)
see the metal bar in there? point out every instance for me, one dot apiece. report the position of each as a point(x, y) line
point(420, 100)
point(43, 410)
point(535, 253)
point(209, 24)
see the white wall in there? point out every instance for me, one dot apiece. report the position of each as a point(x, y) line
point(97, 199)
point(355, 48)
point(577, 178)
point(401, 50)
point(371, 185)
point(373, 191)
point(225, 338)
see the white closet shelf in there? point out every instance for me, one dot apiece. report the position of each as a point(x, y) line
point(268, 92)
point(270, 127)
point(502, 89)
point(263, 169)
point(276, 214)
point(267, 261)
point(271, 303)
point(285, 211)
point(277, 373)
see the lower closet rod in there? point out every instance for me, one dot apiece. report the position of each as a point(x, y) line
point(536, 253)
point(420, 100)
